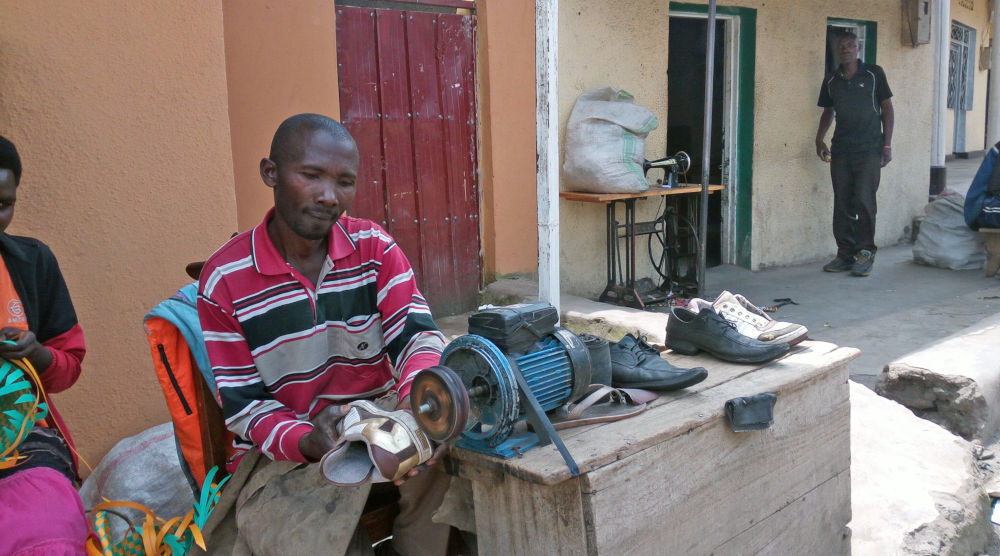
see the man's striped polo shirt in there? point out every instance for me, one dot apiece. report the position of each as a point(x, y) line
point(282, 350)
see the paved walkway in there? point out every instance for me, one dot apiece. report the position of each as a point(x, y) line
point(961, 172)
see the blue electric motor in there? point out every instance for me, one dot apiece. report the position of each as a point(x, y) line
point(477, 394)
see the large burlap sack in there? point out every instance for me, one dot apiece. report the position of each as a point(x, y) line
point(146, 469)
point(945, 240)
point(606, 143)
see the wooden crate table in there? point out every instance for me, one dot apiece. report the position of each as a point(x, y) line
point(620, 288)
point(992, 236)
point(676, 481)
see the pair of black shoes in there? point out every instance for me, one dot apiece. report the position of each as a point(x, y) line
point(636, 364)
point(689, 332)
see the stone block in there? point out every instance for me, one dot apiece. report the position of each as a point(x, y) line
point(916, 490)
point(954, 382)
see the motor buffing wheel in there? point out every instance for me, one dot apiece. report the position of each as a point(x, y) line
point(481, 389)
point(440, 403)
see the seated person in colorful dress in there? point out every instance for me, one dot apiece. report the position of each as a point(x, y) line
point(41, 513)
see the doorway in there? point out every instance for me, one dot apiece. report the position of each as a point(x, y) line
point(686, 111)
point(961, 72)
point(730, 211)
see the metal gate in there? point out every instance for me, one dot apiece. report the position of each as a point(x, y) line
point(408, 95)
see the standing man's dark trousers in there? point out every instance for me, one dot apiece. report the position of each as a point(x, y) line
point(855, 182)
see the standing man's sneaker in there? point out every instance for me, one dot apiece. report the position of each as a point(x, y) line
point(863, 266)
point(840, 265)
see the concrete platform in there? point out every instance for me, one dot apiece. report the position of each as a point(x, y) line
point(916, 489)
point(954, 382)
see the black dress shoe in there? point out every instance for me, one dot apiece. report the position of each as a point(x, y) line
point(689, 333)
point(600, 359)
point(636, 364)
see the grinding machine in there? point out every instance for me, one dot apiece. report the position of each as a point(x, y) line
point(514, 365)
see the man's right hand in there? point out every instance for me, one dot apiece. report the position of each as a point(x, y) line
point(822, 151)
point(315, 444)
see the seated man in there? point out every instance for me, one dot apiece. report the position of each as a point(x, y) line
point(307, 311)
point(982, 202)
point(41, 513)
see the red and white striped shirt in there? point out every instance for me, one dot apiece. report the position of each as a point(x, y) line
point(282, 350)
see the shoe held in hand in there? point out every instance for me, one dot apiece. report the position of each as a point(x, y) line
point(375, 445)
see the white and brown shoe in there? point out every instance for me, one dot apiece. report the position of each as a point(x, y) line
point(375, 445)
point(752, 322)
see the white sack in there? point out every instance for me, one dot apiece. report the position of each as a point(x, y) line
point(606, 143)
point(945, 240)
point(145, 469)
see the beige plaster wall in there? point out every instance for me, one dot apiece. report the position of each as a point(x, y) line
point(507, 136)
point(281, 60)
point(118, 108)
point(975, 119)
point(625, 46)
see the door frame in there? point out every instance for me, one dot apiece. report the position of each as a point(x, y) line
point(965, 84)
point(738, 125)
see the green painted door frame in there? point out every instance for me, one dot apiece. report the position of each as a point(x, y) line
point(747, 62)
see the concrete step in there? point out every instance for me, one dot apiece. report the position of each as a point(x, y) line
point(915, 487)
point(954, 382)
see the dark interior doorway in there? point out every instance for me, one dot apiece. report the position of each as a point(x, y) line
point(686, 110)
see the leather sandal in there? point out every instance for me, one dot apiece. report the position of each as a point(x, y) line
point(621, 403)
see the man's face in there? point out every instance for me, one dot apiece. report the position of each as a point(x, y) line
point(847, 50)
point(8, 195)
point(312, 189)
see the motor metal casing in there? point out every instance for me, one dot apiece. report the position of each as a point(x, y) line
point(556, 369)
point(515, 328)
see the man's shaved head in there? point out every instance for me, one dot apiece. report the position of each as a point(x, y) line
point(287, 142)
point(848, 36)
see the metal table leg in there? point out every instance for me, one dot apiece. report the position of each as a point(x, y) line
point(621, 290)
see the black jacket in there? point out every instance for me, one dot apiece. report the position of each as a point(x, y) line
point(40, 285)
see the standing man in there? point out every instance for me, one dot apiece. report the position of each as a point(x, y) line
point(306, 312)
point(859, 96)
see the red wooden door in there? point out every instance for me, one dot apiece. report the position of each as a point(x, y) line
point(408, 95)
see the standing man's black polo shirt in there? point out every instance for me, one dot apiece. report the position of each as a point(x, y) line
point(857, 105)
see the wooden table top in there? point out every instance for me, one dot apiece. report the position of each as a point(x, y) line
point(672, 415)
point(654, 191)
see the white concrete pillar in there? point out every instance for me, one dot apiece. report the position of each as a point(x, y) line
point(547, 145)
point(941, 23)
point(993, 103)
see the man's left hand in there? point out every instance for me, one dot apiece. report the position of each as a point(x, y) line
point(25, 346)
point(440, 451)
point(886, 157)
